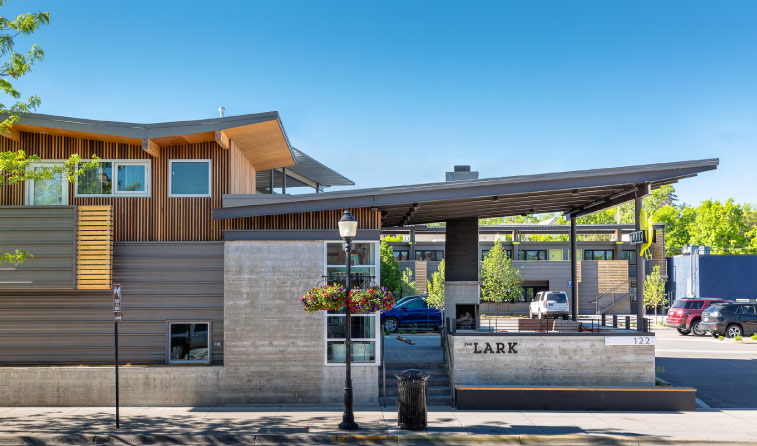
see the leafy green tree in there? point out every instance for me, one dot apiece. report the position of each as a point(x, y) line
point(678, 222)
point(16, 166)
point(722, 227)
point(654, 290)
point(390, 269)
point(500, 279)
point(435, 298)
point(408, 284)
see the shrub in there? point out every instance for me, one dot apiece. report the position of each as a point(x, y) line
point(737, 338)
point(754, 337)
point(720, 338)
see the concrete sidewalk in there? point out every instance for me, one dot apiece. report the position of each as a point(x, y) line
point(317, 425)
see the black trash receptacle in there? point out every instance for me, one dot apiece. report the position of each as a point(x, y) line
point(411, 396)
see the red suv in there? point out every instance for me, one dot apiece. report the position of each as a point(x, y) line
point(686, 315)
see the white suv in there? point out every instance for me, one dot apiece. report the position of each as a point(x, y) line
point(550, 304)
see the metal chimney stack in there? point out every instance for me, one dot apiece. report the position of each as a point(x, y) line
point(462, 173)
point(221, 110)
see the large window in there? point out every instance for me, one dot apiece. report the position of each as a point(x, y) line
point(532, 254)
point(508, 253)
point(130, 178)
point(630, 255)
point(47, 192)
point(364, 261)
point(429, 255)
point(189, 178)
point(401, 253)
point(189, 342)
point(599, 254)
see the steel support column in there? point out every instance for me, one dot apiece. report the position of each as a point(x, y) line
point(573, 271)
point(640, 270)
point(283, 181)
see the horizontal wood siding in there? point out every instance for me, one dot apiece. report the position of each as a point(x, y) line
point(94, 247)
point(160, 282)
point(611, 274)
point(49, 234)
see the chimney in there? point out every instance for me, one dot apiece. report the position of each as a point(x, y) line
point(462, 173)
point(221, 109)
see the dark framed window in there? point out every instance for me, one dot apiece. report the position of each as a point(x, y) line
point(532, 254)
point(189, 342)
point(508, 253)
point(429, 255)
point(599, 254)
point(630, 255)
point(401, 253)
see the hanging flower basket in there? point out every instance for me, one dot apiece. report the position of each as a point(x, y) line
point(330, 297)
point(371, 300)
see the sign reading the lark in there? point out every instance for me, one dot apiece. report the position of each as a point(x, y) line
point(499, 347)
point(637, 237)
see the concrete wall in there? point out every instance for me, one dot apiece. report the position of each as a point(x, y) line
point(570, 360)
point(274, 352)
point(95, 386)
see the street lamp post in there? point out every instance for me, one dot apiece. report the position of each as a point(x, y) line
point(348, 230)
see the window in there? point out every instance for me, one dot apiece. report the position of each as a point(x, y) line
point(401, 253)
point(365, 327)
point(508, 253)
point(130, 178)
point(599, 254)
point(694, 305)
point(429, 255)
point(53, 191)
point(189, 178)
point(416, 304)
point(630, 255)
point(189, 342)
point(532, 254)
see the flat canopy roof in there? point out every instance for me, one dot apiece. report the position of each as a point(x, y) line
point(524, 228)
point(573, 193)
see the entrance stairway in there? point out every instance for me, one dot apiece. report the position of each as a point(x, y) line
point(439, 391)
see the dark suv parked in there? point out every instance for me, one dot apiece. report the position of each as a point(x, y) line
point(686, 314)
point(731, 319)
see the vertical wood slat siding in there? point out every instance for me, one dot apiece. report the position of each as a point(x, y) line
point(94, 253)
point(610, 274)
point(158, 217)
point(242, 174)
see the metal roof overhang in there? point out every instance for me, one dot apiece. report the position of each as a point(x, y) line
point(524, 228)
point(573, 193)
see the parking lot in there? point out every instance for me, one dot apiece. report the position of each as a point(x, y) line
point(723, 372)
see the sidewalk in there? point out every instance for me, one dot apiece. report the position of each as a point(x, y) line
point(317, 425)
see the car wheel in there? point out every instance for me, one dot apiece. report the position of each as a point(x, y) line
point(683, 332)
point(391, 324)
point(697, 329)
point(565, 318)
point(733, 330)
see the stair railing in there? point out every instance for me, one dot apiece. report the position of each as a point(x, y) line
point(606, 300)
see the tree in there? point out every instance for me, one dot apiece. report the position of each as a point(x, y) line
point(654, 290)
point(435, 298)
point(16, 166)
point(500, 279)
point(408, 284)
point(390, 269)
point(721, 227)
point(678, 222)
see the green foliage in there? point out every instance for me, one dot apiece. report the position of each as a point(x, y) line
point(737, 338)
point(408, 284)
point(392, 238)
point(435, 298)
point(720, 338)
point(500, 279)
point(390, 269)
point(722, 227)
point(754, 337)
point(654, 289)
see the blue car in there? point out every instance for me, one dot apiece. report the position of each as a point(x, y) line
point(411, 313)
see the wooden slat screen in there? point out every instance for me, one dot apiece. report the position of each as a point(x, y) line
point(578, 271)
point(610, 274)
point(94, 247)
point(421, 269)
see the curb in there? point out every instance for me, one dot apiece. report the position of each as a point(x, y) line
point(325, 439)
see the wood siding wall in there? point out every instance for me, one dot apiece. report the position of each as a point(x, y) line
point(611, 274)
point(160, 282)
point(94, 247)
point(158, 217)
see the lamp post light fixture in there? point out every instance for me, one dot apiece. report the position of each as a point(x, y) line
point(348, 230)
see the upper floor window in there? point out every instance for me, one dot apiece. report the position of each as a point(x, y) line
point(127, 178)
point(599, 254)
point(401, 253)
point(532, 254)
point(630, 255)
point(189, 178)
point(508, 254)
point(47, 192)
point(429, 255)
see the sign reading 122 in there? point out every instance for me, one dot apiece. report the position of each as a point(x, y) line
point(630, 340)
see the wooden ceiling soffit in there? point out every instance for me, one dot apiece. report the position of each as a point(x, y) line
point(11, 134)
point(151, 147)
point(264, 144)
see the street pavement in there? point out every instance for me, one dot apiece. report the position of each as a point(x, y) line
point(723, 372)
point(318, 425)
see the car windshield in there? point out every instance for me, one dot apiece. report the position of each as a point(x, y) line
point(560, 298)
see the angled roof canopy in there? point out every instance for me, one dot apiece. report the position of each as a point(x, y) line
point(524, 228)
point(574, 193)
point(260, 137)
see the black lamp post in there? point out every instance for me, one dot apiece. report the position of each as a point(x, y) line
point(348, 230)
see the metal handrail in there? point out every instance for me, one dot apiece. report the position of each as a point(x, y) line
point(610, 298)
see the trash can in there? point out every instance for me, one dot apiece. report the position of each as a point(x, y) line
point(411, 396)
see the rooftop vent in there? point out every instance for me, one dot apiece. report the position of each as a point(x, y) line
point(221, 111)
point(462, 173)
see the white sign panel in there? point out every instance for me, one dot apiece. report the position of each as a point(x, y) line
point(630, 340)
point(637, 237)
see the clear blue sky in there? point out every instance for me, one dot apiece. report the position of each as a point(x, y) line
point(394, 93)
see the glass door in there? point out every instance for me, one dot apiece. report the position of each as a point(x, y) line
point(47, 192)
